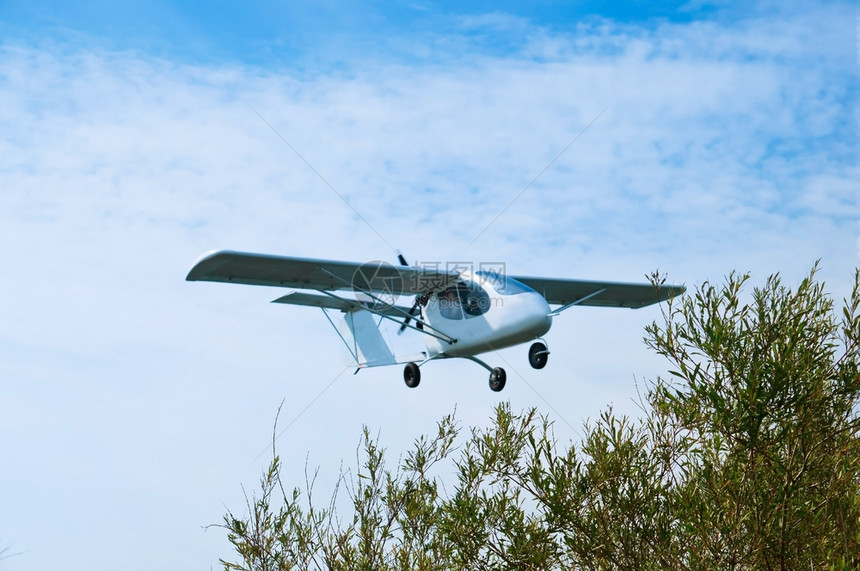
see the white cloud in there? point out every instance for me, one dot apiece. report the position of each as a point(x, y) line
point(133, 403)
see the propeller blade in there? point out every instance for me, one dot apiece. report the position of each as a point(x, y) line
point(411, 314)
point(415, 305)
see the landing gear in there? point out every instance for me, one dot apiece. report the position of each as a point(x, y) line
point(538, 355)
point(497, 379)
point(412, 375)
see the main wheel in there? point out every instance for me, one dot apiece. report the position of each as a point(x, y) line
point(538, 356)
point(411, 375)
point(497, 379)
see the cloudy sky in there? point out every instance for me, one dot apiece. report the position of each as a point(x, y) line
point(134, 136)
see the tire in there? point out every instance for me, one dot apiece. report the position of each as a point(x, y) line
point(497, 379)
point(538, 356)
point(411, 375)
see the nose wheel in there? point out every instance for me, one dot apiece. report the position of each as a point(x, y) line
point(497, 379)
point(538, 355)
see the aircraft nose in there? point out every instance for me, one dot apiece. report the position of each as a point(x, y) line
point(540, 319)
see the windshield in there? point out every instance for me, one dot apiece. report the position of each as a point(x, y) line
point(504, 285)
point(463, 299)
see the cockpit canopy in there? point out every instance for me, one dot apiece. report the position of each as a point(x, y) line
point(504, 285)
point(465, 299)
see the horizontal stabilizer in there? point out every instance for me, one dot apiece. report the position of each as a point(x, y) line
point(340, 303)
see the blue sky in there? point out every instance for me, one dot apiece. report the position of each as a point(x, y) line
point(267, 33)
point(136, 136)
point(316, 35)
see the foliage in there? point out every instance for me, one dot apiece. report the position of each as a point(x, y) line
point(746, 457)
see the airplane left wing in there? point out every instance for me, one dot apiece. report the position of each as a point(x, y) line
point(599, 294)
point(321, 275)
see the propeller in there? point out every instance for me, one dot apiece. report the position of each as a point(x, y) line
point(415, 305)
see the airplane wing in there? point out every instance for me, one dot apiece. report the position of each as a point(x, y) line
point(599, 294)
point(322, 275)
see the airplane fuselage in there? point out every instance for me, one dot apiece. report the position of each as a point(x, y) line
point(485, 313)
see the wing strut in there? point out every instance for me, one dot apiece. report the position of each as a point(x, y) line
point(352, 350)
point(577, 302)
point(440, 335)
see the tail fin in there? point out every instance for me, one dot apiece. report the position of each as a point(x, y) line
point(365, 342)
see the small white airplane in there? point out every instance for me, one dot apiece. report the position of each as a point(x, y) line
point(461, 312)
